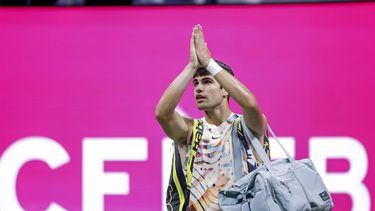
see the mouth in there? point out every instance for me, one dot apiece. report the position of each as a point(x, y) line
point(200, 97)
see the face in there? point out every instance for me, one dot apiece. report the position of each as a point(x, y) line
point(207, 92)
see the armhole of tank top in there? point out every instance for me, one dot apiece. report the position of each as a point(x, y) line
point(190, 137)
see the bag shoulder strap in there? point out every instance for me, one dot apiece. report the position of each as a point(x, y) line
point(257, 146)
point(245, 143)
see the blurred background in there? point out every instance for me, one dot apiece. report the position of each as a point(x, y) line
point(80, 79)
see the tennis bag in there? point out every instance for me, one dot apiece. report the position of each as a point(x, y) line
point(283, 185)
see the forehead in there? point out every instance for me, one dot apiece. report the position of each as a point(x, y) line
point(199, 78)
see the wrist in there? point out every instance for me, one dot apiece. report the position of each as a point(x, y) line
point(206, 63)
point(213, 67)
point(192, 66)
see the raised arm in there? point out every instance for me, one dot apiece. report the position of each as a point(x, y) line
point(174, 125)
point(253, 116)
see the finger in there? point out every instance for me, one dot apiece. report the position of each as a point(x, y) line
point(192, 40)
point(198, 35)
point(195, 29)
point(199, 29)
point(201, 34)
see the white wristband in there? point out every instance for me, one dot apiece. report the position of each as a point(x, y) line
point(213, 67)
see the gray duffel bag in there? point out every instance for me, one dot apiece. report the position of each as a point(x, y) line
point(285, 185)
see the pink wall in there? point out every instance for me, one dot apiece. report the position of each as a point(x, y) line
point(71, 73)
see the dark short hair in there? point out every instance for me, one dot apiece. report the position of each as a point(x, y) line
point(202, 71)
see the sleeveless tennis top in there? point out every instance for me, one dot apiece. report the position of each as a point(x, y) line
point(213, 168)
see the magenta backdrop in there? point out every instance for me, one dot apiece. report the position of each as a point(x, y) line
point(71, 73)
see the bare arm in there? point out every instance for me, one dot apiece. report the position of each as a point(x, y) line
point(253, 116)
point(174, 125)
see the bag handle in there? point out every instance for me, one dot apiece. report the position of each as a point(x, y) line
point(259, 149)
point(290, 158)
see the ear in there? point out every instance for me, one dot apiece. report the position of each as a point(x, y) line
point(225, 93)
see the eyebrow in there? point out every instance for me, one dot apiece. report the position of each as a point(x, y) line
point(203, 78)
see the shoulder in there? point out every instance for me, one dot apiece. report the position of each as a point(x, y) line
point(237, 118)
point(265, 122)
point(194, 125)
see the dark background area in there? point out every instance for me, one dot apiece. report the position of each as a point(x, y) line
point(153, 2)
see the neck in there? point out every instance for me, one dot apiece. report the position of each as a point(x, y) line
point(217, 115)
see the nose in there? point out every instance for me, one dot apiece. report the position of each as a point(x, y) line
point(199, 88)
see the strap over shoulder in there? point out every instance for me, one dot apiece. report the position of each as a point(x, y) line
point(246, 144)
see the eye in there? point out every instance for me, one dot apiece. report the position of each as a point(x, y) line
point(207, 81)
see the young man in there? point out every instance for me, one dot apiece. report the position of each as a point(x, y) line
point(213, 166)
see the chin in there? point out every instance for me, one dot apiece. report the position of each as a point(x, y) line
point(202, 107)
